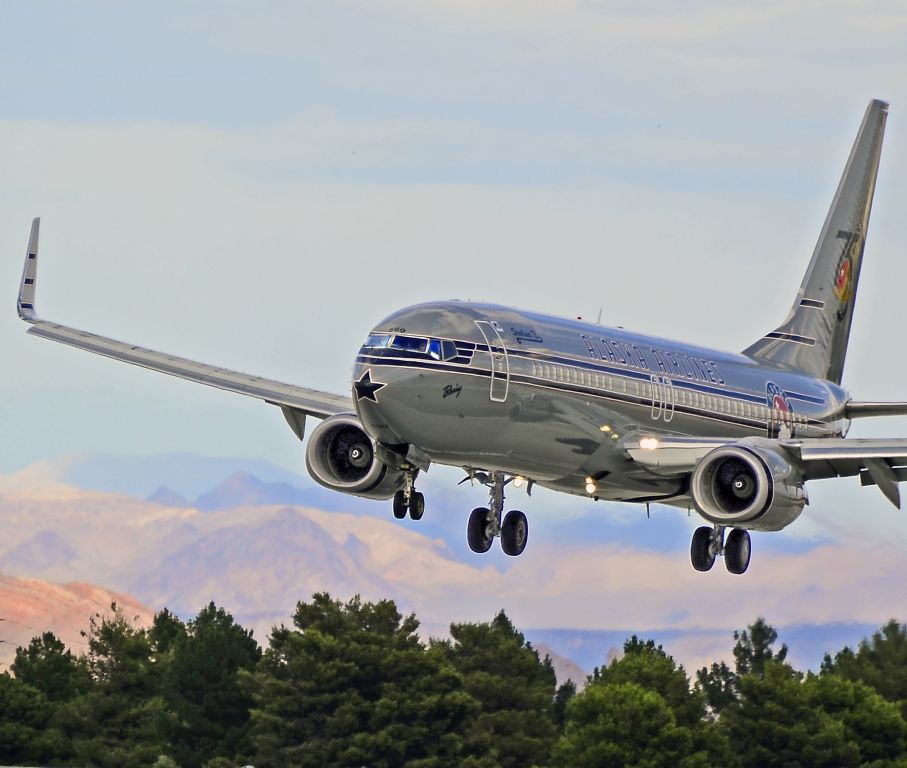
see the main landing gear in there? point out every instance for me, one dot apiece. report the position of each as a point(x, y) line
point(709, 543)
point(408, 499)
point(485, 522)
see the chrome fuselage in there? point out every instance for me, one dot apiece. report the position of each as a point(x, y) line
point(557, 400)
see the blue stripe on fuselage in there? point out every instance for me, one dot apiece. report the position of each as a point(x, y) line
point(520, 378)
point(595, 365)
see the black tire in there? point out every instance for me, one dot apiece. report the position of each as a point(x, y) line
point(700, 550)
point(514, 533)
point(399, 505)
point(477, 530)
point(416, 505)
point(737, 550)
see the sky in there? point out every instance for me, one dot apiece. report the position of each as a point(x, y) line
point(256, 186)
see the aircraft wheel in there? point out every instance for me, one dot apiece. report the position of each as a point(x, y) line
point(701, 553)
point(416, 505)
point(514, 533)
point(737, 551)
point(399, 505)
point(477, 530)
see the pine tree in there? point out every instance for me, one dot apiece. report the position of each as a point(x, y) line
point(200, 685)
point(774, 723)
point(646, 664)
point(566, 692)
point(753, 648)
point(48, 665)
point(873, 725)
point(118, 721)
point(352, 685)
point(619, 725)
point(515, 689)
point(24, 718)
point(880, 662)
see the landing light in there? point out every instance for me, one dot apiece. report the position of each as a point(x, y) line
point(605, 428)
point(649, 443)
point(614, 435)
point(590, 487)
point(518, 481)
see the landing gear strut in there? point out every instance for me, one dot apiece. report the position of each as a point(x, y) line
point(486, 522)
point(408, 499)
point(709, 543)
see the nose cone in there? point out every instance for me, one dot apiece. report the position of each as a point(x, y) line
point(396, 367)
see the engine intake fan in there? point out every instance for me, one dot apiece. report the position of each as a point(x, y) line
point(341, 456)
point(748, 486)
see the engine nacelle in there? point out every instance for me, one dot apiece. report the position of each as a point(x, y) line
point(748, 486)
point(341, 456)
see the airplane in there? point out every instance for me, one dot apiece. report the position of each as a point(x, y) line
point(516, 397)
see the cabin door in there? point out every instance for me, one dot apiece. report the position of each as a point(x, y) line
point(500, 365)
point(662, 398)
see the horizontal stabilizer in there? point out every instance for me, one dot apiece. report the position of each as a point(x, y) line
point(855, 410)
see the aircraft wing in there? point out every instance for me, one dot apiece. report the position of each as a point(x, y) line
point(296, 402)
point(881, 462)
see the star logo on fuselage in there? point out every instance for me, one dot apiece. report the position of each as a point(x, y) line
point(366, 389)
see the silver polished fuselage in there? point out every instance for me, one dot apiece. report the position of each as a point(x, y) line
point(557, 400)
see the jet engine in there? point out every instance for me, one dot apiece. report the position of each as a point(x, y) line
point(341, 456)
point(748, 486)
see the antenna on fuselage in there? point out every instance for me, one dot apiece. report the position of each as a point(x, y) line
point(598, 320)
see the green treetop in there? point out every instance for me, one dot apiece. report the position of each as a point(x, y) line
point(352, 685)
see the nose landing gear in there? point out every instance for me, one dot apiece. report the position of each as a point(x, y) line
point(485, 523)
point(709, 543)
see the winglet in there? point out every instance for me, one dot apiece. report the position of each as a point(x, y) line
point(26, 302)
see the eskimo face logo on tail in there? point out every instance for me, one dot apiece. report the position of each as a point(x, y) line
point(781, 421)
point(843, 283)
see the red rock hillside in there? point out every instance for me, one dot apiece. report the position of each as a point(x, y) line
point(29, 607)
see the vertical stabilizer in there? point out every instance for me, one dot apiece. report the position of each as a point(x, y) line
point(814, 336)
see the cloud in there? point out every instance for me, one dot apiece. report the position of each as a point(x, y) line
point(615, 587)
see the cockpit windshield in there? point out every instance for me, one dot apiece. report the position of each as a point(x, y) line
point(402, 345)
point(376, 341)
point(409, 343)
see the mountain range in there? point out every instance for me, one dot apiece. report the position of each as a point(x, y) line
point(256, 546)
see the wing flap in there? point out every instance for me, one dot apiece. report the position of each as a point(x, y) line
point(842, 450)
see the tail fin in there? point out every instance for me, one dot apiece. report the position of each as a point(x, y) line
point(814, 336)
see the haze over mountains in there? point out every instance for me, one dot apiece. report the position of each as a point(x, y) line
point(178, 531)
